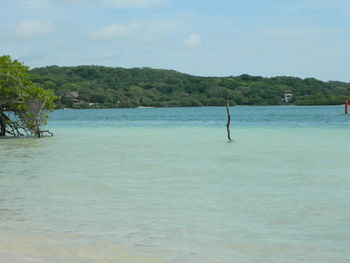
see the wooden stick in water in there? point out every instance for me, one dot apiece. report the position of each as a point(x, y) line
point(228, 121)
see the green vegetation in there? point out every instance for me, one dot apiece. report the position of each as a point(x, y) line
point(97, 86)
point(22, 103)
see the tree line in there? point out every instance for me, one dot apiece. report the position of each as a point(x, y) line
point(99, 86)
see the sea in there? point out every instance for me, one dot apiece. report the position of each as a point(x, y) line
point(163, 185)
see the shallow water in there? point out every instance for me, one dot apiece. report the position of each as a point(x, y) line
point(163, 185)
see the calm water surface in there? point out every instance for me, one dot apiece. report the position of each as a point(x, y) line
point(163, 185)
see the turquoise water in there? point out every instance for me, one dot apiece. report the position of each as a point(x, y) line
point(163, 185)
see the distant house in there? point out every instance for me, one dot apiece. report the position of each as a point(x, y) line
point(288, 95)
point(74, 95)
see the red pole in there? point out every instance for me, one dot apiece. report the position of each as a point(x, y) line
point(346, 106)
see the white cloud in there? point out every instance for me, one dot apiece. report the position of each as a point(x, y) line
point(193, 40)
point(73, 1)
point(114, 31)
point(33, 28)
point(134, 3)
point(118, 3)
point(34, 5)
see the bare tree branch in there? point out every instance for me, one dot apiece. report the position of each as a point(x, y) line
point(228, 121)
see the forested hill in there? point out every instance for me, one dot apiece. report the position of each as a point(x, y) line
point(98, 86)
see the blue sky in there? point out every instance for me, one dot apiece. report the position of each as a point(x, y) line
point(309, 38)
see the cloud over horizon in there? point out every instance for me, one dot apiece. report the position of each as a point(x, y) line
point(34, 28)
point(114, 31)
point(193, 40)
point(117, 3)
point(134, 3)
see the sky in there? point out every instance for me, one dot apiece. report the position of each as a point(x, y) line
point(301, 38)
